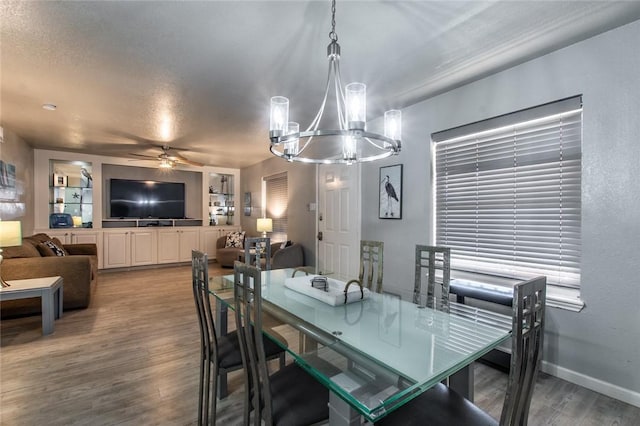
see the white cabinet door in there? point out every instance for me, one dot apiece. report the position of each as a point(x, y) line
point(144, 247)
point(189, 240)
point(208, 239)
point(116, 247)
point(91, 237)
point(175, 245)
point(168, 246)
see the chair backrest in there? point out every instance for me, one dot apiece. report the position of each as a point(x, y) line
point(248, 310)
point(529, 300)
point(258, 248)
point(200, 281)
point(371, 262)
point(433, 263)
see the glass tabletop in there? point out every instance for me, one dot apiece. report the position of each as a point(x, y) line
point(378, 353)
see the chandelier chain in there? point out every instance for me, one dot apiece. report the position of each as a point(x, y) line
point(333, 35)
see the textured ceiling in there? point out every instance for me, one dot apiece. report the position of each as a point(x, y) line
point(126, 75)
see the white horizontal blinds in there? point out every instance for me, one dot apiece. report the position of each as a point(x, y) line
point(508, 199)
point(277, 199)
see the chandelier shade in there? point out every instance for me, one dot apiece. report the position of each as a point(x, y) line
point(348, 142)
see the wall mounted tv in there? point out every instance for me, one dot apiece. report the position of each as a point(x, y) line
point(146, 199)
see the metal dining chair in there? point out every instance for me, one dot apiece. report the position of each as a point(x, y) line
point(442, 406)
point(256, 249)
point(290, 396)
point(218, 354)
point(371, 262)
point(433, 264)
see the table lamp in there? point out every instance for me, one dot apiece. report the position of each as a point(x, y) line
point(265, 225)
point(10, 235)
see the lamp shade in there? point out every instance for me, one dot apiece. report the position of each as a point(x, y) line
point(265, 224)
point(10, 233)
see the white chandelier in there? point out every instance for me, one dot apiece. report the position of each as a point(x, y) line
point(350, 142)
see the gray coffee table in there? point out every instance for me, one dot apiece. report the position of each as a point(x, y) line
point(48, 289)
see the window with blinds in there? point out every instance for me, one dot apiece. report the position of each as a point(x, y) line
point(508, 193)
point(277, 196)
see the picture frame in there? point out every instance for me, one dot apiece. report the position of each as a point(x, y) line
point(390, 192)
point(7, 175)
point(59, 180)
point(247, 204)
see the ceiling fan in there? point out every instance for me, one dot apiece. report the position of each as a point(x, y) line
point(168, 158)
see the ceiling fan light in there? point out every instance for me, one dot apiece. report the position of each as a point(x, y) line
point(165, 163)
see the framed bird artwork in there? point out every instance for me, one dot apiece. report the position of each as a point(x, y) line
point(390, 187)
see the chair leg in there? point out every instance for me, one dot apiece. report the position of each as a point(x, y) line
point(221, 378)
point(214, 399)
point(201, 390)
point(206, 396)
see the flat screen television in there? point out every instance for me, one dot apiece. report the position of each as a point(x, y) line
point(146, 199)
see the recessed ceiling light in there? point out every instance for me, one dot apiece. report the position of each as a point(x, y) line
point(49, 107)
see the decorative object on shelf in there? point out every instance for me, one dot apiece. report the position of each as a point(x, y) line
point(210, 189)
point(59, 180)
point(10, 236)
point(59, 207)
point(87, 176)
point(264, 225)
point(223, 180)
point(350, 142)
point(77, 221)
point(390, 187)
point(247, 204)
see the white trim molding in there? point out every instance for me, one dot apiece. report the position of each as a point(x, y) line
point(564, 298)
point(625, 395)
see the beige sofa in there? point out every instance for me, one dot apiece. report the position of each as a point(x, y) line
point(78, 269)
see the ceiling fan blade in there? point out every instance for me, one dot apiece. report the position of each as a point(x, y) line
point(181, 159)
point(144, 156)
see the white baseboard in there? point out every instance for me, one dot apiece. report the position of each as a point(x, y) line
point(597, 385)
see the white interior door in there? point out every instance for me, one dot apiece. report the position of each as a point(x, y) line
point(339, 220)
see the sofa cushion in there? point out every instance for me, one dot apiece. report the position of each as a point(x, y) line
point(38, 238)
point(52, 248)
point(25, 250)
point(235, 239)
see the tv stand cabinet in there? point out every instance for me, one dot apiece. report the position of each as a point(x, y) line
point(143, 223)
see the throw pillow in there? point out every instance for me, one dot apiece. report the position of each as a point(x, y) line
point(60, 245)
point(286, 244)
point(235, 239)
point(49, 248)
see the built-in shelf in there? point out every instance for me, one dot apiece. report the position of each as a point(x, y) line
point(70, 194)
point(221, 203)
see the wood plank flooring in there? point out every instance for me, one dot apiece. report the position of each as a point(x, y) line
point(131, 358)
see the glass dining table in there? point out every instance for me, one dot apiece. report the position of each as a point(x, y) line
point(377, 354)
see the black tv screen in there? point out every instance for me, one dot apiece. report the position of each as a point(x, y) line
point(146, 199)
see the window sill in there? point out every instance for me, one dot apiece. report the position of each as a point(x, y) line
point(557, 297)
point(564, 298)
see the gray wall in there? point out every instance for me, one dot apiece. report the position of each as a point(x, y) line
point(17, 203)
point(302, 191)
point(602, 341)
point(192, 181)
